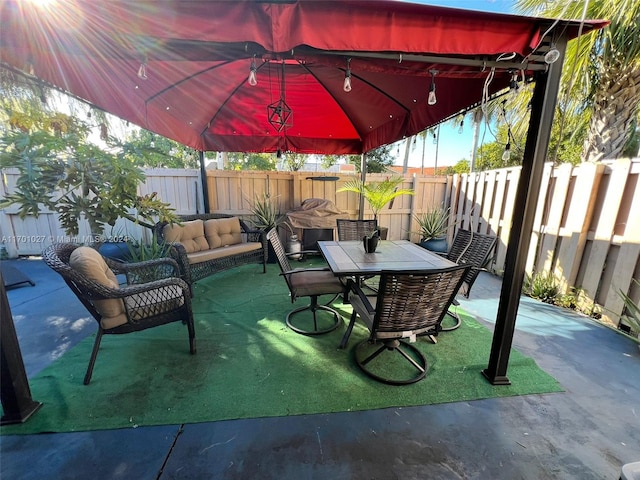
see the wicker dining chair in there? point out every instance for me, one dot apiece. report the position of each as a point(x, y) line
point(408, 304)
point(308, 282)
point(355, 229)
point(473, 250)
point(152, 296)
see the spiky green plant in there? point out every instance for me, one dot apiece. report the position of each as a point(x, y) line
point(632, 317)
point(542, 286)
point(433, 223)
point(265, 212)
point(377, 194)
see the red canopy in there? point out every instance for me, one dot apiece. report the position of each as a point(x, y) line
point(198, 55)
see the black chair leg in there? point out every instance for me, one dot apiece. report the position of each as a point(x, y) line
point(347, 334)
point(314, 307)
point(94, 354)
point(390, 346)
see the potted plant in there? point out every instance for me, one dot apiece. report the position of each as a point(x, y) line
point(266, 216)
point(433, 225)
point(377, 194)
point(60, 171)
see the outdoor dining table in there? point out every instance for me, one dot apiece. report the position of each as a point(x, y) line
point(348, 258)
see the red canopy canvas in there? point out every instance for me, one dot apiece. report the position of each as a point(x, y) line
point(197, 56)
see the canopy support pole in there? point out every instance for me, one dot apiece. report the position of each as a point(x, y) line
point(205, 186)
point(543, 105)
point(17, 403)
point(363, 177)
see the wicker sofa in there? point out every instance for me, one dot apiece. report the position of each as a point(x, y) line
point(205, 244)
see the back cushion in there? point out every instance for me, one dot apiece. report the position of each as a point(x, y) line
point(190, 234)
point(221, 232)
point(90, 264)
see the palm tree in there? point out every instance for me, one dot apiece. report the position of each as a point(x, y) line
point(377, 194)
point(602, 71)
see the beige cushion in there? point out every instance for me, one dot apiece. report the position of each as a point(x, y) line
point(190, 234)
point(221, 232)
point(306, 283)
point(222, 252)
point(90, 264)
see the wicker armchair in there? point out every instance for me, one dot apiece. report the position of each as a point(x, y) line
point(308, 282)
point(153, 295)
point(408, 304)
point(473, 250)
point(355, 229)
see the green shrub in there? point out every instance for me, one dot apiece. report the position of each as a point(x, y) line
point(542, 286)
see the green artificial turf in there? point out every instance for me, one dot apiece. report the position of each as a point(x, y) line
point(249, 364)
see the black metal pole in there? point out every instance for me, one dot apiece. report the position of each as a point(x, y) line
point(363, 177)
point(543, 105)
point(205, 186)
point(15, 393)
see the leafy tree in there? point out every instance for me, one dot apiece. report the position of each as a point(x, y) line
point(601, 79)
point(250, 161)
point(462, 166)
point(378, 160)
point(151, 150)
point(295, 161)
point(328, 161)
point(60, 170)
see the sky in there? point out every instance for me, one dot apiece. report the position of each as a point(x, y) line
point(452, 146)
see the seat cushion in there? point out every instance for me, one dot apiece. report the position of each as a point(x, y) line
point(190, 234)
point(90, 264)
point(222, 252)
point(305, 283)
point(222, 232)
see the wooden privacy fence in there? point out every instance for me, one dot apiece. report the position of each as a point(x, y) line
point(586, 230)
point(181, 188)
point(234, 192)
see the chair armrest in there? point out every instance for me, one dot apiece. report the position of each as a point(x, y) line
point(129, 290)
point(148, 270)
point(303, 270)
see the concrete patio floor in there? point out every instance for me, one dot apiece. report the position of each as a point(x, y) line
point(587, 432)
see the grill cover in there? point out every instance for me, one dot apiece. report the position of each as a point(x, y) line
point(315, 213)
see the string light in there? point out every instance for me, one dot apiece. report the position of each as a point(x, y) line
point(506, 155)
point(347, 77)
point(253, 77)
point(513, 84)
point(461, 127)
point(142, 71)
point(432, 89)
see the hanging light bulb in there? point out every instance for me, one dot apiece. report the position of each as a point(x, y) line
point(432, 89)
point(461, 127)
point(142, 71)
point(506, 155)
point(347, 77)
point(435, 138)
point(552, 55)
point(513, 85)
point(253, 76)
